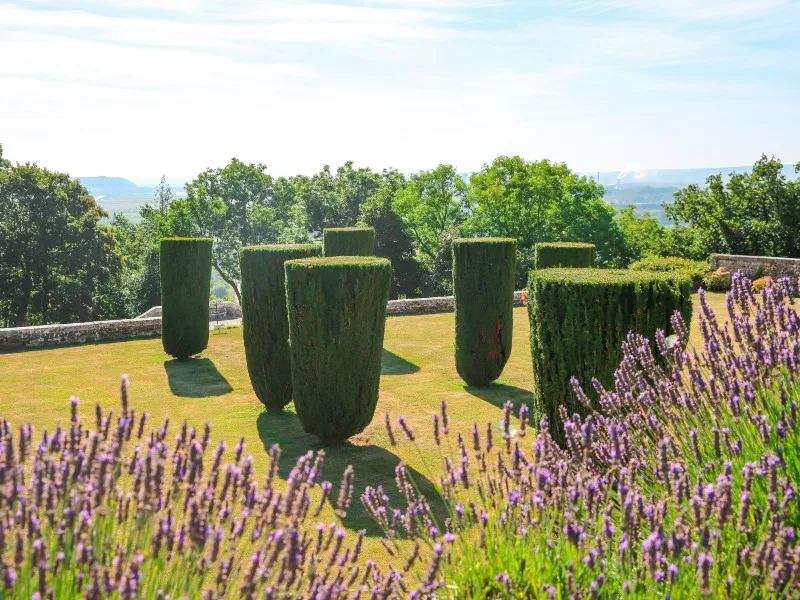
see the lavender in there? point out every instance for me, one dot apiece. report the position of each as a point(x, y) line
point(683, 483)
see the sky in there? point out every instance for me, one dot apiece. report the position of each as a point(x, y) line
point(141, 88)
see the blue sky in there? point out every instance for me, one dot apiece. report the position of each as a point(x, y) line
point(137, 88)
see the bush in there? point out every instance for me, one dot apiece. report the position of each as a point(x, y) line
point(563, 254)
point(483, 284)
point(337, 315)
point(579, 319)
point(717, 281)
point(185, 266)
point(762, 282)
point(694, 269)
point(348, 241)
point(265, 322)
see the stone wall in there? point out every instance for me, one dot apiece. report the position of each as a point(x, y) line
point(757, 266)
point(75, 333)
point(148, 325)
point(225, 310)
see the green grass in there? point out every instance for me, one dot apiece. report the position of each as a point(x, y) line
point(418, 373)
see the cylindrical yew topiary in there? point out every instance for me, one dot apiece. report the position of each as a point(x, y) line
point(265, 321)
point(579, 319)
point(348, 241)
point(185, 266)
point(337, 315)
point(484, 270)
point(547, 255)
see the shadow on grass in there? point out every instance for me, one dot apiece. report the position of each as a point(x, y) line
point(391, 364)
point(372, 466)
point(196, 378)
point(499, 393)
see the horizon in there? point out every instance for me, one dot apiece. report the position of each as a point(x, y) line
point(140, 87)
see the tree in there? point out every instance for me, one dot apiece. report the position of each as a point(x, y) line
point(57, 262)
point(643, 235)
point(756, 213)
point(392, 239)
point(235, 206)
point(432, 203)
point(541, 201)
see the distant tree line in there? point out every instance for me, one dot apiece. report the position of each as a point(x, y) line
point(59, 263)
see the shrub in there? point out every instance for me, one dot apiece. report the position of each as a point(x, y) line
point(717, 281)
point(762, 282)
point(348, 241)
point(547, 255)
point(695, 269)
point(265, 321)
point(683, 485)
point(483, 284)
point(185, 265)
point(579, 319)
point(337, 314)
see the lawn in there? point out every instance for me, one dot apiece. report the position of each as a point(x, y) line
point(418, 372)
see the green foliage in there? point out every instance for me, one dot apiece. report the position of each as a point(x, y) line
point(547, 255)
point(348, 241)
point(185, 267)
point(756, 213)
point(542, 201)
point(483, 282)
point(393, 241)
point(644, 235)
point(717, 281)
point(579, 319)
point(695, 270)
point(432, 203)
point(265, 321)
point(57, 261)
point(337, 316)
point(235, 206)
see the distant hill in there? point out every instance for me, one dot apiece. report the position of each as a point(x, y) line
point(119, 195)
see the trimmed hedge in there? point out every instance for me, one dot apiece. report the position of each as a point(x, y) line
point(579, 319)
point(348, 241)
point(265, 321)
point(695, 269)
point(547, 255)
point(484, 271)
point(185, 266)
point(337, 315)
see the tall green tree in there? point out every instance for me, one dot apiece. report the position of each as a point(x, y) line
point(541, 201)
point(235, 206)
point(431, 204)
point(57, 261)
point(755, 213)
point(644, 235)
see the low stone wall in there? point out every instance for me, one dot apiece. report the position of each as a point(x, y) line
point(75, 333)
point(149, 324)
point(221, 308)
point(753, 266)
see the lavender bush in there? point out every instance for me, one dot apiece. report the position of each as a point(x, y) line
point(115, 511)
point(684, 484)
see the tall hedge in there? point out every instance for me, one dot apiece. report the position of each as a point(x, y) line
point(548, 255)
point(579, 319)
point(484, 270)
point(265, 321)
point(348, 241)
point(185, 265)
point(337, 314)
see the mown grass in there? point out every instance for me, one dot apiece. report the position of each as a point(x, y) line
point(418, 373)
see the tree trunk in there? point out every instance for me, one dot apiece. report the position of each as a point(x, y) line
point(21, 318)
point(230, 282)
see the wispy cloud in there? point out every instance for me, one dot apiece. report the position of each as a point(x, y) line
point(141, 87)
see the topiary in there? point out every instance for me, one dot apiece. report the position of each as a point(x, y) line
point(337, 315)
point(348, 241)
point(696, 269)
point(484, 271)
point(185, 266)
point(265, 321)
point(579, 319)
point(547, 255)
